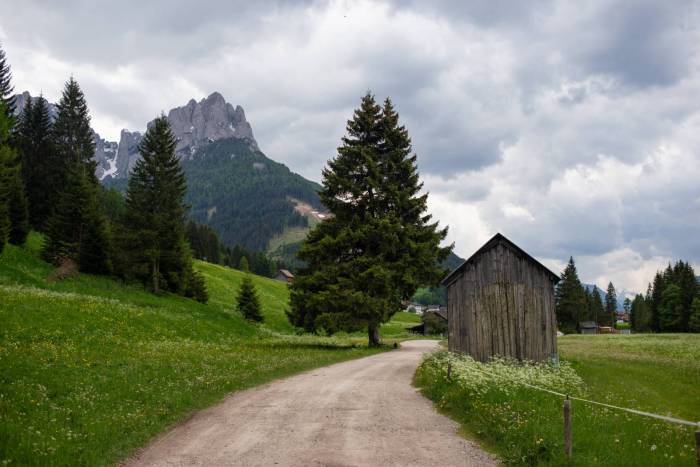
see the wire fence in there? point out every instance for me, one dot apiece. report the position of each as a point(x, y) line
point(567, 411)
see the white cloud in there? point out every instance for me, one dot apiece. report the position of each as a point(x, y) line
point(572, 129)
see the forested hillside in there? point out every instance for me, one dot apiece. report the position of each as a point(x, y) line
point(243, 195)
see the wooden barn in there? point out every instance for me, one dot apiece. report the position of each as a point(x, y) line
point(500, 302)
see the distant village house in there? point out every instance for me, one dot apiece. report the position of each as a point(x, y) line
point(284, 276)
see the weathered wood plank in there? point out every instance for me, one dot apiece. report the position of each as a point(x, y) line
point(502, 304)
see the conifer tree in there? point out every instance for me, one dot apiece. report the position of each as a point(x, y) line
point(248, 302)
point(570, 299)
point(13, 203)
point(657, 289)
point(694, 322)
point(610, 305)
point(6, 89)
point(76, 228)
point(243, 264)
point(7, 159)
point(671, 309)
point(597, 305)
point(152, 242)
point(18, 209)
point(42, 182)
point(379, 245)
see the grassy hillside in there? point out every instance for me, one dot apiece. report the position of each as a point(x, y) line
point(653, 373)
point(91, 368)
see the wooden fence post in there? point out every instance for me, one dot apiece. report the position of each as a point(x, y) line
point(568, 442)
point(697, 445)
point(449, 371)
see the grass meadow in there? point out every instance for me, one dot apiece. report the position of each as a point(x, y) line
point(92, 368)
point(654, 373)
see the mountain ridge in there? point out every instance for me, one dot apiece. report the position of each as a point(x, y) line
point(194, 125)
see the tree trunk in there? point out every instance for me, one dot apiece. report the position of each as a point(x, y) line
point(155, 272)
point(374, 340)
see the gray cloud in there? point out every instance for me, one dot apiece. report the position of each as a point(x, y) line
point(570, 126)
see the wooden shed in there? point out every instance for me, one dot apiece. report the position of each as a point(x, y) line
point(500, 302)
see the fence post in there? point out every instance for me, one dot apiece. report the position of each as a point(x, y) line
point(449, 371)
point(567, 428)
point(697, 445)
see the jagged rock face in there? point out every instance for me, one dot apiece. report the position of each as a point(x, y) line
point(128, 152)
point(21, 101)
point(209, 120)
point(195, 124)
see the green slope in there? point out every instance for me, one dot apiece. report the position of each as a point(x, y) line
point(243, 195)
point(91, 368)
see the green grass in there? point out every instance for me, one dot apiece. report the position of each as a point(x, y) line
point(290, 235)
point(92, 368)
point(654, 373)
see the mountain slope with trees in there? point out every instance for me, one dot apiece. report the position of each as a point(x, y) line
point(243, 195)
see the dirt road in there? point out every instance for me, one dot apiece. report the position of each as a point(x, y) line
point(358, 413)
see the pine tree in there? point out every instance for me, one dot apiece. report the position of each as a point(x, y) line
point(597, 305)
point(18, 209)
point(248, 301)
point(570, 299)
point(14, 226)
point(7, 159)
point(243, 264)
point(379, 245)
point(152, 242)
point(610, 305)
point(671, 309)
point(39, 158)
point(6, 89)
point(694, 322)
point(76, 228)
point(684, 277)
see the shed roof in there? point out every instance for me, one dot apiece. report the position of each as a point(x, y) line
point(496, 240)
point(587, 325)
point(286, 273)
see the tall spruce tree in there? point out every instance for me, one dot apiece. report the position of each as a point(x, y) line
point(7, 160)
point(76, 228)
point(657, 289)
point(35, 141)
point(671, 309)
point(6, 89)
point(18, 208)
point(610, 305)
point(570, 299)
point(14, 225)
point(597, 305)
point(380, 244)
point(694, 322)
point(152, 242)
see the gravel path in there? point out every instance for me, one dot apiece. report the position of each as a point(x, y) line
point(358, 413)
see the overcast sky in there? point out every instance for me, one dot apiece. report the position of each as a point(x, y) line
point(573, 128)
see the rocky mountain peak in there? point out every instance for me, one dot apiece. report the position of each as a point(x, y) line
point(194, 124)
point(208, 120)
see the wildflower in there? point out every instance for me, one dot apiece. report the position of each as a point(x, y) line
point(653, 447)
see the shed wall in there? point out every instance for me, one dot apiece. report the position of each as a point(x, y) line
point(502, 304)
